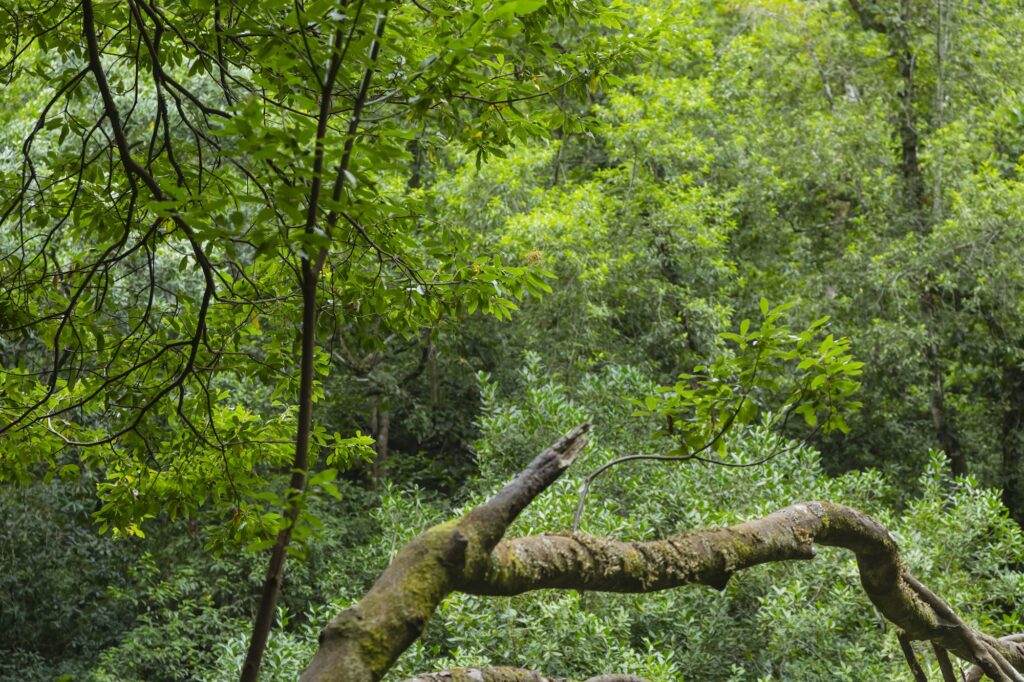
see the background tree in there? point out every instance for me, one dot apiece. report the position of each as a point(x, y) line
point(194, 132)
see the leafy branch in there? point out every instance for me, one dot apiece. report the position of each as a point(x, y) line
point(771, 372)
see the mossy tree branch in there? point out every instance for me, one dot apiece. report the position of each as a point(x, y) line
point(361, 643)
point(504, 674)
point(469, 555)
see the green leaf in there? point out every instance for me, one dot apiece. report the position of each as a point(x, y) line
point(523, 7)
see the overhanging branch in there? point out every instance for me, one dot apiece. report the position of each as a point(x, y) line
point(469, 555)
point(505, 674)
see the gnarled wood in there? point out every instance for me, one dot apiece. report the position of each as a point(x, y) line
point(505, 674)
point(497, 674)
point(361, 643)
point(469, 555)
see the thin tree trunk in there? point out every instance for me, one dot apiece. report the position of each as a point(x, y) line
point(920, 218)
point(948, 439)
point(309, 279)
point(910, 164)
point(1011, 440)
point(275, 571)
point(944, 431)
point(382, 419)
point(435, 382)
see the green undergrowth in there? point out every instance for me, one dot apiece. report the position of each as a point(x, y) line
point(170, 616)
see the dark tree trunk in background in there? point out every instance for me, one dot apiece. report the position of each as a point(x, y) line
point(381, 432)
point(1011, 440)
point(921, 217)
point(945, 434)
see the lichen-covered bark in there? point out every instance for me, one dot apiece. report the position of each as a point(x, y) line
point(361, 643)
point(711, 557)
point(504, 674)
point(498, 674)
point(469, 555)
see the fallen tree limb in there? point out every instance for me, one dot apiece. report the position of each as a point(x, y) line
point(503, 674)
point(976, 673)
point(469, 555)
point(499, 674)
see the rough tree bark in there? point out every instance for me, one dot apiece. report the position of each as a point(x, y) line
point(504, 674)
point(470, 555)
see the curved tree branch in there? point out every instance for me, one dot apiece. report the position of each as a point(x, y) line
point(469, 555)
point(498, 674)
point(362, 642)
point(504, 674)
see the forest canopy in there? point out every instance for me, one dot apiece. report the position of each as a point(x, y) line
point(369, 338)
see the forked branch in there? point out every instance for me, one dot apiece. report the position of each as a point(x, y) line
point(469, 555)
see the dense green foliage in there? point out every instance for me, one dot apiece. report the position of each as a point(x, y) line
point(533, 214)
